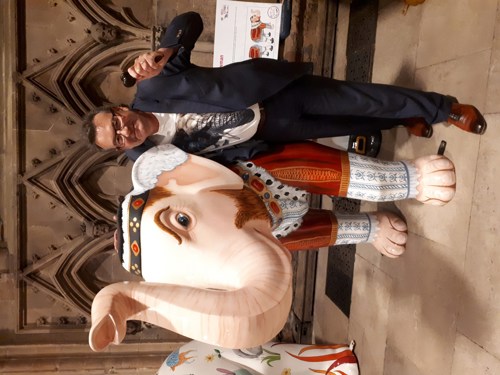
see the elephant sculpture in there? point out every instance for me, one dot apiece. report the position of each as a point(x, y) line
point(213, 242)
point(272, 358)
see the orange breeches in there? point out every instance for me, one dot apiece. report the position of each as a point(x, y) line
point(319, 170)
point(308, 165)
point(318, 229)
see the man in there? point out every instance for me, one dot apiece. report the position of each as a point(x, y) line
point(135, 131)
point(291, 103)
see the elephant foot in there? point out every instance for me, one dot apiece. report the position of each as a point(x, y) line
point(391, 235)
point(436, 180)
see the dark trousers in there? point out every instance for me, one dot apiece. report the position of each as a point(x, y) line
point(317, 107)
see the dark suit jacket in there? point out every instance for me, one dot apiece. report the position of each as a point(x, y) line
point(183, 87)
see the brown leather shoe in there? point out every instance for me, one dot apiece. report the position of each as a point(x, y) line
point(418, 127)
point(467, 118)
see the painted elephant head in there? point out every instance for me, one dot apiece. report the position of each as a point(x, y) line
point(213, 270)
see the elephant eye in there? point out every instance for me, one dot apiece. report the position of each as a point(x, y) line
point(183, 220)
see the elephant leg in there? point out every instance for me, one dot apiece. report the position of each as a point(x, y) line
point(386, 231)
point(309, 166)
point(321, 228)
point(325, 170)
point(429, 179)
point(318, 229)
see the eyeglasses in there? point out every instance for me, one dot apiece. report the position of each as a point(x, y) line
point(117, 125)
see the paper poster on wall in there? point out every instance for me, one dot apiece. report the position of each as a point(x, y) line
point(246, 30)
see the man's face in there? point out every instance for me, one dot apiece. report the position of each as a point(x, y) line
point(123, 128)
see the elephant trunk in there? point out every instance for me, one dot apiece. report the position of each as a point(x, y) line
point(246, 316)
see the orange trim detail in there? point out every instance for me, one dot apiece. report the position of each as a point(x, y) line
point(346, 175)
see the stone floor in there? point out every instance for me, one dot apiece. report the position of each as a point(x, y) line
point(435, 310)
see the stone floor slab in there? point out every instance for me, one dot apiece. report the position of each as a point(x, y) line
point(454, 28)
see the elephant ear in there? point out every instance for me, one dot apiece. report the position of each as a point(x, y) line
point(180, 172)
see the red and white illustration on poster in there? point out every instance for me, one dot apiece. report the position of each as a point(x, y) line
point(246, 30)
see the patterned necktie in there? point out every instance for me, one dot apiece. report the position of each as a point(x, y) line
point(195, 132)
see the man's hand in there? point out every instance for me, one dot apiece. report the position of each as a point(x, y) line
point(145, 66)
